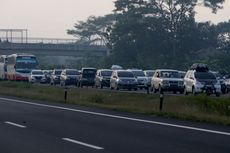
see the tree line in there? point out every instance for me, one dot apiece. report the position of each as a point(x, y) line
point(158, 34)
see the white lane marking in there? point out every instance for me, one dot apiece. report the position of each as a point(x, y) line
point(83, 144)
point(15, 124)
point(119, 117)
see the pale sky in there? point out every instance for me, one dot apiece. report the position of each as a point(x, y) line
point(51, 18)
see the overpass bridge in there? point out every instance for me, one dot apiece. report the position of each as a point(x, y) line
point(51, 47)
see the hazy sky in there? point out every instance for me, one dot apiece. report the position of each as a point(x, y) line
point(51, 18)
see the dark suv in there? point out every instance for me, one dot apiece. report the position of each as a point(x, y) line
point(122, 79)
point(69, 77)
point(103, 78)
point(87, 77)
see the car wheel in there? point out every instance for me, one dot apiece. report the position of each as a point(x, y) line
point(217, 94)
point(160, 89)
point(111, 88)
point(151, 89)
point(193, 91)
point(185, 91)
point(101, 86)
point(117, 88)
point(154, 90)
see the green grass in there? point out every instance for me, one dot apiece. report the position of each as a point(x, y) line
point(197, 108)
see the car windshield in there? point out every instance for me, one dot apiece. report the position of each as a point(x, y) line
point(89, 73)
point(37, 72)
point(57, 72)
point(170, 74)
point(138, 73)
point(182, 74)
point(23, 70)
point(125, 74)
point(149, 73)
point(26, 62)
point(204, 75)
point(106, 73)
point(72, 72)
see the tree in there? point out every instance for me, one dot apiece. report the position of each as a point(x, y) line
point(170, 23)
point(93, 30)
point(223, 29)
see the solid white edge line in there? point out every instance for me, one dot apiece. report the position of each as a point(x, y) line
point(82, 143)
point(119, 117)
point(15, 124)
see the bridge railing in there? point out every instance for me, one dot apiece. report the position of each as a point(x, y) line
point(31, 40)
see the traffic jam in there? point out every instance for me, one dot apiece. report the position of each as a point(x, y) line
point(197, 79)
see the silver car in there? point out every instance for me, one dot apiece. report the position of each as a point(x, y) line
point(167, 80)
point(149, 74)
point(142, 80)
point(122, 79)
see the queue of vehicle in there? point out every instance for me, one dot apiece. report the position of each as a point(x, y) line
point(198, 79)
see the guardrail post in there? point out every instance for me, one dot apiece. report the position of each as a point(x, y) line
point(66, 92)
point(161, 100)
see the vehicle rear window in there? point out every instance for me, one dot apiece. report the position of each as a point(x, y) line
point(72, 72)
point(37, 72)
point(138, 73)
point(57, 72)
point(170, 74)
point(106, 73)
point(204, 75)
point(125, 74)
point(149, 73)
point(89, 71)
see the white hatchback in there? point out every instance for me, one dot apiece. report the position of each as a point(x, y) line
point(197, 82)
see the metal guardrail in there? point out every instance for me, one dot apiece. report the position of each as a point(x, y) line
point(46, 41)
point(39, 46)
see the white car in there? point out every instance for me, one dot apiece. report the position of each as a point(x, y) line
point(201, 80)
point(167, 80)
point(142, 80)
point(37, 76)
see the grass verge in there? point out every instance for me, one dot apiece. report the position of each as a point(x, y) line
point(197, 108)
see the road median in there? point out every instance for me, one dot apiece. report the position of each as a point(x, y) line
point(197, 108)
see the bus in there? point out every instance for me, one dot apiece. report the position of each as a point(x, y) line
point(19, 66)
point(3, 59)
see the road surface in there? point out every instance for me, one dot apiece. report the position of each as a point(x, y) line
point(44, 127)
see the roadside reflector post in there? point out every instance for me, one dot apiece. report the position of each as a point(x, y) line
point(66, 92)
point(161, 100)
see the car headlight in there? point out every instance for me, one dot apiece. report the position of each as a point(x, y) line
point(101, 79)
point(199, 83)
point(165, 82)
point(181, 83)
point(120, 81)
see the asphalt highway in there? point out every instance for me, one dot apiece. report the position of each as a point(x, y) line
point(45, 127)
